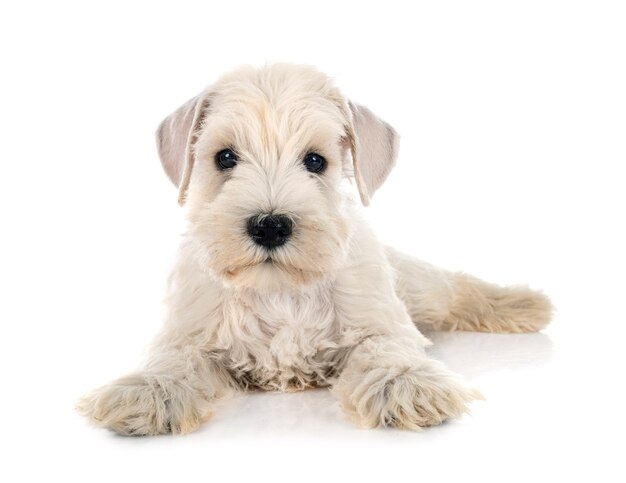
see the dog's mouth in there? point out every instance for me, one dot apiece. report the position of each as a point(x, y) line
point(270, 272)
point(267, 261)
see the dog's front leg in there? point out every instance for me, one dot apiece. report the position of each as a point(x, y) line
point(174, 392)
point(388, 380)
point(386, 377)
point(182, 379)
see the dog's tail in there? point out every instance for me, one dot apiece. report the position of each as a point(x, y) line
point(441, 300)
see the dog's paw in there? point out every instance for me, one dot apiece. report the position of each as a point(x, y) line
point(413, 399)
point(139, 405)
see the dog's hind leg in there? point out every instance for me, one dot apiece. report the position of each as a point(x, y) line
point(441, 300)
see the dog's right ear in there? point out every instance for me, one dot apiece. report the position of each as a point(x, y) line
point(176, 137)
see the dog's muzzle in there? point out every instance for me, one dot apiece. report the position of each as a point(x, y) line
point(270, 230)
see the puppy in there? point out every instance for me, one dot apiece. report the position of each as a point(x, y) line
point(280, 284)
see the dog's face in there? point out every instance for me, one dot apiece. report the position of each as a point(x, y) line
point(259, 158)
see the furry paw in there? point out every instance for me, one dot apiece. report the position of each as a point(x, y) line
point(139, 405)
point(411, 399)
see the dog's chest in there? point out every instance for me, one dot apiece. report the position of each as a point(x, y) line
point(279, 341)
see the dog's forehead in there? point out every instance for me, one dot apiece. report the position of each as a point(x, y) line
point(277, 85)
point(277, 105)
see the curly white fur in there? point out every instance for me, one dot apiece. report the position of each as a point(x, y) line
point(331, 307)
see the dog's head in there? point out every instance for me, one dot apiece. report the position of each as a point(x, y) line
point(258, 159)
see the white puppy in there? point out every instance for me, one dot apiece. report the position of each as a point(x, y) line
point(280, 285)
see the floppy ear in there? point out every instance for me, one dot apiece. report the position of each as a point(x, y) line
point(176, 137)
point(374, 145)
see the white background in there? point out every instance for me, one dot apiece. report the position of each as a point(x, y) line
point(513, 123)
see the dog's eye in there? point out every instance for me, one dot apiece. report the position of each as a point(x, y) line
point(314, 162)
point(226, 159)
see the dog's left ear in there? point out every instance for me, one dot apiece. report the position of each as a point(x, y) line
point(374, 146)
point(176, 137)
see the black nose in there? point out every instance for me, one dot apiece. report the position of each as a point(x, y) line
point(270, 230)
